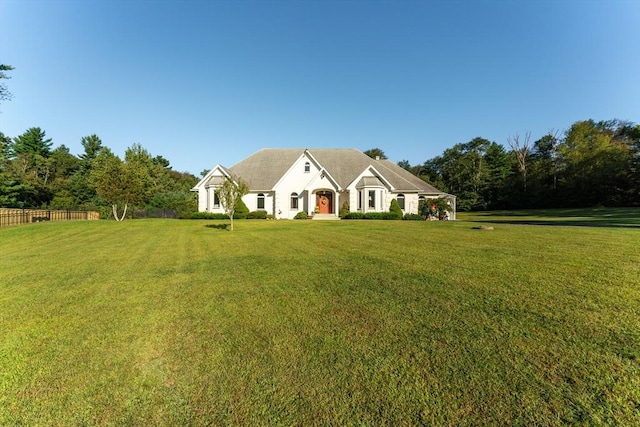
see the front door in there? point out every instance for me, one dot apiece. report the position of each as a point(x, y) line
point(324, 202)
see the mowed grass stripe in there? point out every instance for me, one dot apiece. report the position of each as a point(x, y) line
point(307, 322)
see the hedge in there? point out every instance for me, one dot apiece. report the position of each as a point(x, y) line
point(413, 217)
point(257, 215)
point(372, 215)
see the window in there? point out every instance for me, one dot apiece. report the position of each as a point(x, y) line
point(260, 201)
point(294, 200)
point(216, 200)
point(307, 167)
point(372, 199)
point(401, 201)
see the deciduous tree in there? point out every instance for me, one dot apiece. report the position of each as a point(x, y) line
point(521, 151)
point(593, 165)
point(230, 193)
point(544, 170)
point(464, 171)
point(117, 182)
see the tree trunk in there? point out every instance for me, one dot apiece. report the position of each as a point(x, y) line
point(114, 208)
point(124, 212)
point(521, 152)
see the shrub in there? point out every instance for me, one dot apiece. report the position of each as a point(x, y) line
point(241, 210)
point(269, 216)
point(371, 215)
point(413, 217)
point(344, 210)
point(442, 207)
point(301, 215)
point(395, 209)
point(353, 215)
point(257, 215)
point(381, 215)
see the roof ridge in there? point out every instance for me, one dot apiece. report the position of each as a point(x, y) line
point(397, 174)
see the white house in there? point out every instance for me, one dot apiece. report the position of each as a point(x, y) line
point(285, 181)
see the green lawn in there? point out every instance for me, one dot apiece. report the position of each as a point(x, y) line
point(595, 217)
point(168, 322)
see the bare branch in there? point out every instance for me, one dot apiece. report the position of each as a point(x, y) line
point(522, 153)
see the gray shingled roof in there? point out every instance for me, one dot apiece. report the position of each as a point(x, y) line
point(344, 164)
point(402, 179)
point(263, 169)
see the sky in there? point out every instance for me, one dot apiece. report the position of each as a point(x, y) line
point(211, 82)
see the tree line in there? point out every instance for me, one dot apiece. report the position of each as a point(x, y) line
point(591, 164)
point(33, 174)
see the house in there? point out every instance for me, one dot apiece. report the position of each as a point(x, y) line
point(286, 181)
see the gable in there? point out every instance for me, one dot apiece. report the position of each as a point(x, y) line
point(213, 178)
point(369, 181)
point(344, 164)
point(215, 181)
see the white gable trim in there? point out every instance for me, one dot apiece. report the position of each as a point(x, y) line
point(295, 164)
point(371, 170)
point(310, 156)
point(324, 170)
point(208, 176)
point(382, 178)
point(312, 184)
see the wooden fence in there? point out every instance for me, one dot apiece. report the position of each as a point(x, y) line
point(24, 216)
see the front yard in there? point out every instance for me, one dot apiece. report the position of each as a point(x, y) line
point(170, 322)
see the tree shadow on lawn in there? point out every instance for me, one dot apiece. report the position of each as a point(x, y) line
point(577, 223)
point(219, 226)
point(596, 217)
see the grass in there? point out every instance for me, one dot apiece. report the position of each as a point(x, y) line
point(590, 217)
point(170, 322)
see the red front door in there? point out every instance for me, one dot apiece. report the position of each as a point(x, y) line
point(323, 201)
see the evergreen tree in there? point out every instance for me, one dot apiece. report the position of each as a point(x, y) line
point(32, 142)
point(375, 153)
point(394, 208)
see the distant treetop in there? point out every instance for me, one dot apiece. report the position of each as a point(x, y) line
point(375, 153)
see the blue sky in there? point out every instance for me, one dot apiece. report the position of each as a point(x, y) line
point(207, 82)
